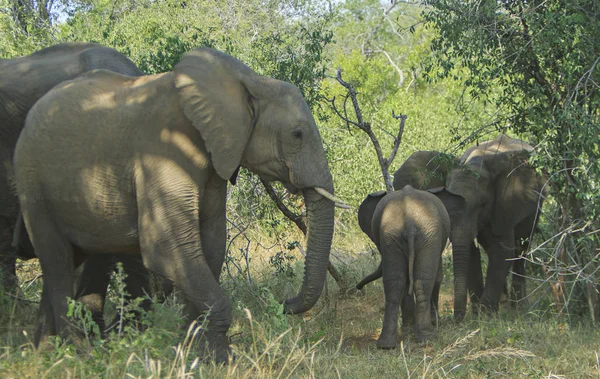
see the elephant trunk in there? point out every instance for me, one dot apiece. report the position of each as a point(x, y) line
point(320, 233)
point(460, 256)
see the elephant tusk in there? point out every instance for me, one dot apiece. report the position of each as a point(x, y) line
point(342, 205)
point(338, 202)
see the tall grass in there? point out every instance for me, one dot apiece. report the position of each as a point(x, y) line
point(335, 339)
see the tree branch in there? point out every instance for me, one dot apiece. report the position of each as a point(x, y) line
point(295, 218)
point(384, 163)
point(398, 139)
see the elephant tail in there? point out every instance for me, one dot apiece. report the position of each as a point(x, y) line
point(411, 261)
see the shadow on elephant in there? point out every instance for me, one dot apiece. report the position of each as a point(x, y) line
point(23, 81)
point(154, 156)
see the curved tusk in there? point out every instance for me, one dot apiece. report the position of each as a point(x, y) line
point(338, 202)
point(343, 206)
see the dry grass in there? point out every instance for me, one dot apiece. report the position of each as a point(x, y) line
point(334, 340)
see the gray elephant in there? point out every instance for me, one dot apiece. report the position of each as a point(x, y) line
point(22, 82)
point(503, 195)
point(140, 166)
point(410, 228)
point(430, 169)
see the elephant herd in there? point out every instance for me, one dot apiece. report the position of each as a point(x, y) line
point(100, 163)
point(490, 194)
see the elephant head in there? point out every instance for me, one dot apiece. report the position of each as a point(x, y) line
point(424, 170)
point(265, 125)
point(498, 190)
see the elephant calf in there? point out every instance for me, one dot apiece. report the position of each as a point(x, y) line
point(410, 228)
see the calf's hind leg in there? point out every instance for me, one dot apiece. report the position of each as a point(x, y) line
point(395, 277)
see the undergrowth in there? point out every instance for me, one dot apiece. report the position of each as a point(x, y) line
point(335, 339)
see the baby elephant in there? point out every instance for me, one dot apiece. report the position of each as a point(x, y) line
point(410, 228)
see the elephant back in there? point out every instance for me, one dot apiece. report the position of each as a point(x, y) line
point(424, 170)
point(501, 144)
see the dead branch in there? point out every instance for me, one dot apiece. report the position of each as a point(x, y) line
point(384, 163)
point(398, 139)
point(295, 218)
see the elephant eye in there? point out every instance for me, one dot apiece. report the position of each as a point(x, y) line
point(297, 133)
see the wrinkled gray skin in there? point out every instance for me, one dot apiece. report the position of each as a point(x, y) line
point(430, 169)
point(502, 193)
point(140, 166)
point(22, 82)
point(410, 228)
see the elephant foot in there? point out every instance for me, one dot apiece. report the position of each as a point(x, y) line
point(406, 330)
point(459, 316)
point(489, 307)
point(386, 342)
point(215, 347)
point(44, 345)
point(423, 336)
point(434, 318)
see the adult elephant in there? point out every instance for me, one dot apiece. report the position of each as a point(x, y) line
point(503, 195)
point(22, 82)
point(140, 165)
point(429, 169)
point(424, 169)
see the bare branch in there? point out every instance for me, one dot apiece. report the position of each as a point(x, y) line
point(352, 93)
point(344, 118)
point(295, 218)
point(398, 139)
point(366, 127)
point(395, 66)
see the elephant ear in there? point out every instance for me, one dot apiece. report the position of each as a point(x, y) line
point(366, 211)
point(377, 194)
point(215, 97)
point(517, 190)
point(455, 204)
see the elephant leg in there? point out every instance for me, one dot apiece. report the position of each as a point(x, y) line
point(92, 285)
point(171, 246)
point(475, 282)
point(213, 233)
point(7, 257)
point(57, 262)
point(395, 278)
point(500, 252)
point(213, 229)
point(425, 276)
point(137, 284)
point(435, 294)
point(371, 277)
point(518, 286)
point(408, 313)
point(46, 325)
